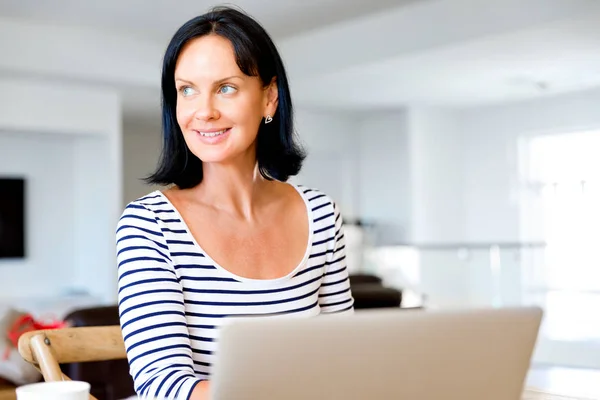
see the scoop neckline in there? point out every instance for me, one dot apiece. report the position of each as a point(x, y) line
point(239, 278)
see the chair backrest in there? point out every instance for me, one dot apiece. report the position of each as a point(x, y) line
point(46, 349)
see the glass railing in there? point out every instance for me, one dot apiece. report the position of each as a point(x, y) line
point(503, 274)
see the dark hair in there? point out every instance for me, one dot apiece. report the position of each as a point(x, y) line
point(278, 154)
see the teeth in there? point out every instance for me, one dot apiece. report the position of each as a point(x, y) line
point(212, 134)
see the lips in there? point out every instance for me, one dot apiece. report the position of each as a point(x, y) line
point(213, 136)
point(212, 133)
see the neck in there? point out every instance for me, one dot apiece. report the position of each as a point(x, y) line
point(236, 188)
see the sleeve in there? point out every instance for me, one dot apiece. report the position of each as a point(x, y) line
point(151, 309)
point(335, 295)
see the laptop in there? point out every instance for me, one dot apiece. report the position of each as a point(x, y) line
point(481, 354)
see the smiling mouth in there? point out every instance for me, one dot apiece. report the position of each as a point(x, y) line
point(214, 133)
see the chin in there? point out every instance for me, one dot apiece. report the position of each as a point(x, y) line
point(210, 157)
point(217, 155)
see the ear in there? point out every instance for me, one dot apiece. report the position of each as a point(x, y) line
point(271, 96)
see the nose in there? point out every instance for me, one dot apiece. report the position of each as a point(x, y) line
point(205, 109)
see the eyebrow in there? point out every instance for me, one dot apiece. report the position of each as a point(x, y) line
point(216, 82)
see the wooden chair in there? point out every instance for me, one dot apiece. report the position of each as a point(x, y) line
point(47, 349)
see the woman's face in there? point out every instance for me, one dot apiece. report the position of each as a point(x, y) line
point(219, 108)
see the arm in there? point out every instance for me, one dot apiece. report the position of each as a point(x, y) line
point(201, 391)
point(151, 310)
point(334, 294)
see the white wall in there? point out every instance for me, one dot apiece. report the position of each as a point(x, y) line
point(384, 184)
point(436, 176)
point(491, 137)
point(35, 105)
point(462, 165)
point(46, 163)
point(411, 175)
point(141, 151)
point(401, 170)
point(88, 121)
point(331, 165)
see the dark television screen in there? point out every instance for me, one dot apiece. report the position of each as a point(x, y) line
point(12, 218)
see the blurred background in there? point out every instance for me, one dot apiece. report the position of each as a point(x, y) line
point(459, 137)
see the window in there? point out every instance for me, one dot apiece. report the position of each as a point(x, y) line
point(561, 203)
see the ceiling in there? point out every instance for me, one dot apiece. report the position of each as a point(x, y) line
point(365, 55)
point(547, 60)
point(159, 19)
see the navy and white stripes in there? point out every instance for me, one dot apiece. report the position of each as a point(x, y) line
point(173, 297)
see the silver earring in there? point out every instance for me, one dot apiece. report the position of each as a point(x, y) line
point(268, 119)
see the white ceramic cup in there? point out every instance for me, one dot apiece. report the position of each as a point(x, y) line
point(64, 390)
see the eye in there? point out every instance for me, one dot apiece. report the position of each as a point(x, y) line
point(186, 91)
point(227, 89)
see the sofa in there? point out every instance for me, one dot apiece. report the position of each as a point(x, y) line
point(369, 292)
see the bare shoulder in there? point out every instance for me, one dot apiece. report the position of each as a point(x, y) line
point(171, 193)
point(284, 196)
point(302, 195)
point(179, 198)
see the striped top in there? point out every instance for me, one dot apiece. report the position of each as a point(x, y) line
point(173, 297)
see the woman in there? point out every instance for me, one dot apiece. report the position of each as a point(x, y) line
point(229, 237)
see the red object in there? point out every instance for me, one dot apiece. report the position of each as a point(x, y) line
point(26, 323)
